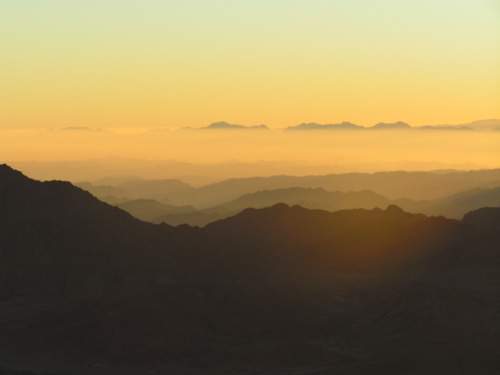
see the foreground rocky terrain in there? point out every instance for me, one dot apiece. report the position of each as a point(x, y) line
point(85, 288)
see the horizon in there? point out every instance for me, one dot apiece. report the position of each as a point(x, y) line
point(277, 151)
point(128, 79)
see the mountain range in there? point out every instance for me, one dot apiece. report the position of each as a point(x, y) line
point(489, 124)
point(454, 206)
point(415, 186)
point(492, 124)
point(313, 198)
point(85, 288)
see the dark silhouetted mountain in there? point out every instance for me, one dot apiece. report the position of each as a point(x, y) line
point(485, 219)
point(87, 289)
point(485, 224)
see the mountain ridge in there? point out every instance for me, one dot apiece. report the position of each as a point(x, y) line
point(479, 125)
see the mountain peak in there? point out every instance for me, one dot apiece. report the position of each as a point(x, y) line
point(392, 208)
point(486, 217)
point(9, 173)
point(6, 168)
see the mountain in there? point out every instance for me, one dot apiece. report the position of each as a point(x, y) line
point(313, 198)
point(485, 221)
point(425, 185)
point(393, 185)
point(149, 209)
point(87, 289)
point(482, 125)
point(491, 124)
point(58, 239)
point(475, 125)
point(456, 205)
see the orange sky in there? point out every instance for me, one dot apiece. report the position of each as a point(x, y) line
point(153, 63)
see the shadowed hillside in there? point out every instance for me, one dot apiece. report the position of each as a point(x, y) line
point(87, 289)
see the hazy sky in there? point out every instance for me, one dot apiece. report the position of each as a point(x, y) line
point(175, 63)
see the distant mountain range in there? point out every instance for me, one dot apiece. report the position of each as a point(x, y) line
point(86, 288)
point(492, 124)
point(454, 206)
point(392, 185)
point(476, 125)
point(306, 197)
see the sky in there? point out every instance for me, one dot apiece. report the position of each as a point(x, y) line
point(165, 63)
